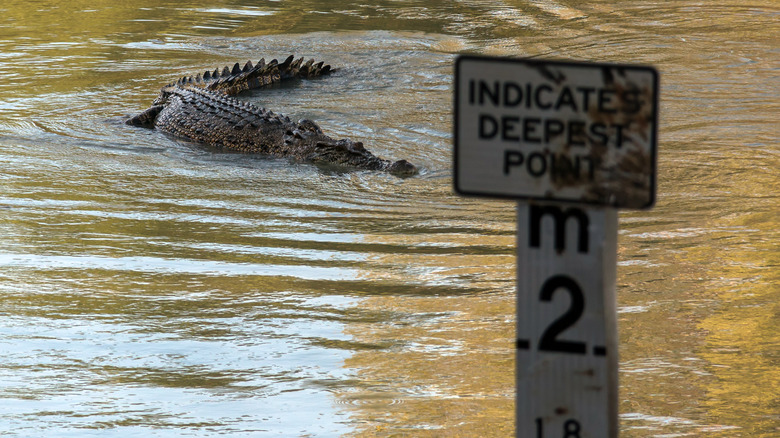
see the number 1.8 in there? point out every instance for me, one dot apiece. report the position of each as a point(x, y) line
point(571, 429)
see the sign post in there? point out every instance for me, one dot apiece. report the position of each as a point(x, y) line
point(573, 142)
point(566, 363)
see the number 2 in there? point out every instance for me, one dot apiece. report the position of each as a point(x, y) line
point(549, 340)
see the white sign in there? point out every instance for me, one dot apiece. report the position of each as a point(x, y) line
point(566, 322)
point(557, 131)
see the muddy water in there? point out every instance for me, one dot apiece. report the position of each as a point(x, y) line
point(153, 287)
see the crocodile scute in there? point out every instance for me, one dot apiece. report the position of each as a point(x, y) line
point(202, 109)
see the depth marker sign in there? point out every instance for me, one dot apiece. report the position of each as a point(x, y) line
point(558, 131)
point(575, 141)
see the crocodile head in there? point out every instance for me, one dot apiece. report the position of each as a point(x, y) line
point(323, 150)
point(350, 153)
point(402, 168)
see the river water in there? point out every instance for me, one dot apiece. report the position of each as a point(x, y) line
point(152, 287)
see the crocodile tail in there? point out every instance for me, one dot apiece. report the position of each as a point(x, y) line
point(235, 80)
point(296, 68)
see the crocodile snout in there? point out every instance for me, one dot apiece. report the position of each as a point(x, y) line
point(402, 168)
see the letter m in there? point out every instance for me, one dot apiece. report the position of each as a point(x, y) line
point(560, 217)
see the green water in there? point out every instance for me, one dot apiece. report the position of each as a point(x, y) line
point(151, 287)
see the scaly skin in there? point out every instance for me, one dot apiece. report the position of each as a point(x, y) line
point(200, 109)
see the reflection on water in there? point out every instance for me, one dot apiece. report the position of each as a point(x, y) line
point(149, 285)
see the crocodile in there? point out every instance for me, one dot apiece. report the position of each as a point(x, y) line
point(202, 109)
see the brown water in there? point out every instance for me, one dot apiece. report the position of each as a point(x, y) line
point(152, 287)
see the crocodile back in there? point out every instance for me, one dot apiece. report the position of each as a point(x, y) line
point(210, 117)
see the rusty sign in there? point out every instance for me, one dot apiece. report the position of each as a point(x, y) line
point(556, 131)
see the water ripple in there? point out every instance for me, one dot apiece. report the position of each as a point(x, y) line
point(171, 266)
